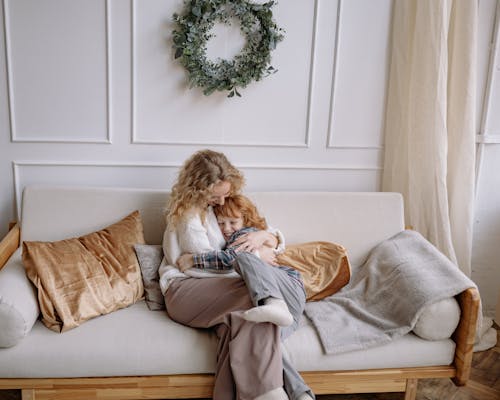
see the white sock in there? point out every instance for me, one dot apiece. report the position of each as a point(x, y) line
point(275, 394)
point(305, 396)
point(274, 310)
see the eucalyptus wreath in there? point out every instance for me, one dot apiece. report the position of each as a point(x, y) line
point(193, 30)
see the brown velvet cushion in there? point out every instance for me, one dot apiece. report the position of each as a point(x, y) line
point(81, 278)
point(324, 267)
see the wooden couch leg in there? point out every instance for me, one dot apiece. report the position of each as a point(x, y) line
point(28, 394)
point(411, 389)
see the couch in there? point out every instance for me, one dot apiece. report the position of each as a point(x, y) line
point(136, 353)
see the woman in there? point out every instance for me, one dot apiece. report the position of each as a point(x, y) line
point(249, 359)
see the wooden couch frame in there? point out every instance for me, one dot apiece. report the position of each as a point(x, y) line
point(200, 385)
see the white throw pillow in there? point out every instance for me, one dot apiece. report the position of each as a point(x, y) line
point(18, 303)
point(439, 320)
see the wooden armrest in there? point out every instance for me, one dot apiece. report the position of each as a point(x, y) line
point(465, 334)
point(9, 244)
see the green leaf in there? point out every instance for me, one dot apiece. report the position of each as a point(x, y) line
point(196, 11)
point(208, 91)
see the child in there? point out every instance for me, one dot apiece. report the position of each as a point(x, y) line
point(236, 217)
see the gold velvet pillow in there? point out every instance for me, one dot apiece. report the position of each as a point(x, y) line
point(81, 278)
point(324, 267)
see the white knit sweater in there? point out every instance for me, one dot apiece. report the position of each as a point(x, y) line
point(190, 235)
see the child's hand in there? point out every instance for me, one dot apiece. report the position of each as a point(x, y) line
point(267, 255)
point(185, 262)
point(252, 241)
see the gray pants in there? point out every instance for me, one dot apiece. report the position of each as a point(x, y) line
point(265, 281)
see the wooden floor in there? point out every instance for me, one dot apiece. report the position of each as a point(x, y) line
point(483, 385)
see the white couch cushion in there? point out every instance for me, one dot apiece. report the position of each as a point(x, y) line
point(357, 221)
point(54, 213)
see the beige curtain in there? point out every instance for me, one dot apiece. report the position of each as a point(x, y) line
point(430, 120)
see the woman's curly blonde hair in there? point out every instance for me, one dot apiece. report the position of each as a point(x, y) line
point(196, 179)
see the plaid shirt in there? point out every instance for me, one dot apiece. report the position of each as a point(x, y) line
point(223, 260)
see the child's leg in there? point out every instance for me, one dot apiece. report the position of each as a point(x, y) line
point(295, 386)
point(281, 299)
point(264, 281)
point(295, 298)
point(264, 287)
point(259, 277)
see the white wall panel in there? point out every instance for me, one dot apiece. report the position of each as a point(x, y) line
point(259, 177)
point(360, 74)
point(92, 174)
point(492, 122)
point(485, 39)
point(313, 178)
point(56, 52)
point(486, 246)
point(486, 234)
point(164, 111)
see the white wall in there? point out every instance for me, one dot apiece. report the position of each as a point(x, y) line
point(486, 246)
point(90, 94)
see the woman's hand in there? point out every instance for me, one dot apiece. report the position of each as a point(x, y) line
point(252, 241)
point(267, 255)
point(185, 262)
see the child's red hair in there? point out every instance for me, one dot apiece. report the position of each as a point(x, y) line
point(237, 206)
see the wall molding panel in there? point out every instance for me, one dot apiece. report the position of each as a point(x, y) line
point(219, 136)
point(339, 131)
point(330, 143)
point(486, 138)
point(161, 175)
point(43, 135)
point(489, 122)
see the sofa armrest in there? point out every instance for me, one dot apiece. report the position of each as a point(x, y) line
point(465, 334)
point(9, 244)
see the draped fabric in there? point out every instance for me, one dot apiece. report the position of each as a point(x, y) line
point(430, 120)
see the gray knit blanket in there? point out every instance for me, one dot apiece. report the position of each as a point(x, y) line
point(386, 295)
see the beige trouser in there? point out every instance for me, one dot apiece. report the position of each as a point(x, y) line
point(249, 359)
